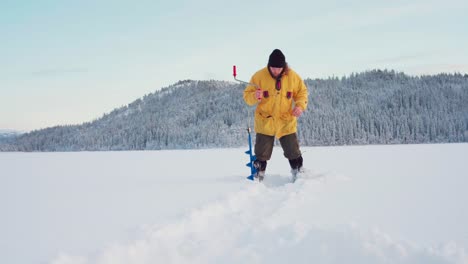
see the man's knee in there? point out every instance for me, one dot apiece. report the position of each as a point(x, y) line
point(264, 146)
point(290, 146)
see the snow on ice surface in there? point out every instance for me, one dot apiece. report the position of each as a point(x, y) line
point(361, 204)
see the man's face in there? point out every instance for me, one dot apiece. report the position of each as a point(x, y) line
point(276, 71)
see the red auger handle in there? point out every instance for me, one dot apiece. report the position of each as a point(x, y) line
point(234, 71)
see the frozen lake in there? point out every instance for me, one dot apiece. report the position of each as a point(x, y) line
point(359, 204)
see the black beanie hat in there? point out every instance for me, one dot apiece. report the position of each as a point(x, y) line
point(277, 59)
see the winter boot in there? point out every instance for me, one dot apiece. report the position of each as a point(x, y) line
point(260, 166)
point(296, 167)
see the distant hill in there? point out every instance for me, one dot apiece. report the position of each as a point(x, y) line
point(7, 138)
point(9, 132)
point(374, 107)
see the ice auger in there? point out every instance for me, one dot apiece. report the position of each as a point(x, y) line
point(249, 152)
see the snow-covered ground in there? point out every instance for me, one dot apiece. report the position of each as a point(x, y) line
point(359, 204)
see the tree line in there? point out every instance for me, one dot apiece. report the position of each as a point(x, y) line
point(373, 107)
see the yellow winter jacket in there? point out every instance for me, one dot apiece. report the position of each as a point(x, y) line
point(273, 115)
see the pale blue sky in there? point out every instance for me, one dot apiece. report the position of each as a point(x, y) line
point(67, 62)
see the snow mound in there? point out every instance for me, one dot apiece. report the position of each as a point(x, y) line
point(273, 222)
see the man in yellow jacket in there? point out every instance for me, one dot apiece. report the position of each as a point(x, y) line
point(281, 97)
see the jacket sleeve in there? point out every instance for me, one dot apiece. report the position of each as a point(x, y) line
point(301, 97)
point(249, 94)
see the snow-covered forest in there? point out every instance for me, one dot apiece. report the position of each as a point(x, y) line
point(374, 107)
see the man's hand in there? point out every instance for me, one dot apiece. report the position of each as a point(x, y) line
point(297, 111)
point(259, 94)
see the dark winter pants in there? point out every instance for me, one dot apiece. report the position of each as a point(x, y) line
point(264, 146)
